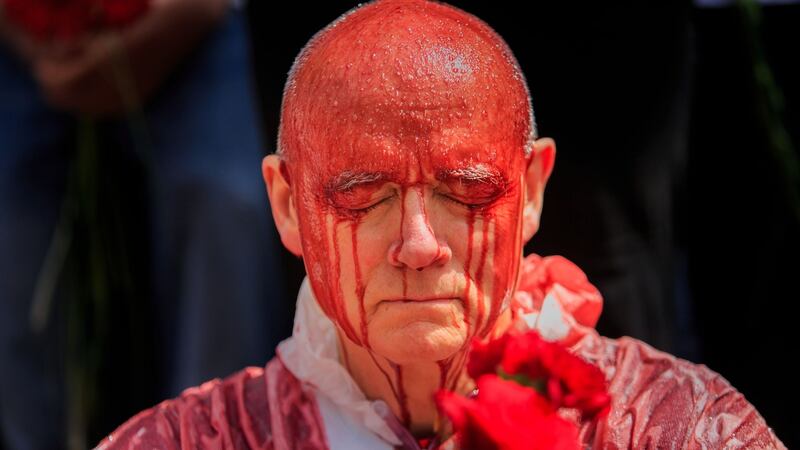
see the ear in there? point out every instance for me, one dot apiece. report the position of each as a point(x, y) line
point(280, 198)
point(540, 165)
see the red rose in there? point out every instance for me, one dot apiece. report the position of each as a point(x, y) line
point(485, 357)
point(506, 416)
point(563, 378)
point(522, 382)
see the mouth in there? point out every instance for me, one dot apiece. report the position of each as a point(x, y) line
point(431, 299)
point(418, 303)
point(440, 311)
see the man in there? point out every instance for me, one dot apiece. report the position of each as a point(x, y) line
point(409, 178)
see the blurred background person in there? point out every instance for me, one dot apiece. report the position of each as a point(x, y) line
point(136, 255)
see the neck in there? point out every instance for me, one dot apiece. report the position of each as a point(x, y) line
point(409, 388)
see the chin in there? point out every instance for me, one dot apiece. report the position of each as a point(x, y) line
point(418, 342)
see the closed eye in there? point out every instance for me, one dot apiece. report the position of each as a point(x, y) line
point(472, 187)
point(471, 203)
point(370, 207)
point(361, 198)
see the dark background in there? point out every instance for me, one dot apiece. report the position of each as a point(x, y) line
point(670, 187)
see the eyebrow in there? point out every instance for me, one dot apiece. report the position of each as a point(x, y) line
point(473, 174)
point(348, 180)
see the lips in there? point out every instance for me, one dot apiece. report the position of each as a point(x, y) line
point(420, 299)
point(419, 302)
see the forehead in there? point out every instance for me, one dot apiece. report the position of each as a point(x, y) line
point(412, 149)
point(397, 84)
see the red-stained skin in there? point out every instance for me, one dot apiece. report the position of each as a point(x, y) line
point(404, 128)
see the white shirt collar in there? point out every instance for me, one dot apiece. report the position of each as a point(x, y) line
point(312, 355)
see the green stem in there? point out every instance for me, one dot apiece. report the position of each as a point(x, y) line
point(770, 104)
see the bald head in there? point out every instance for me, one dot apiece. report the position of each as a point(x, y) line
point(400, 69)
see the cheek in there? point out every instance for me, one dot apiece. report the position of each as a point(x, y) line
point(314, 226)
point(362, 263)
point(507, 247)
point(341, 255)
point(372, 242)
point(493, 255)
point(326, 256)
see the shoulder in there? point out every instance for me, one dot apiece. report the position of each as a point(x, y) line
point(256, 408)
point(663, 401)
point(231, 413)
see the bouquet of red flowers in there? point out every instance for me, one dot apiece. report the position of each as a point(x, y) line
point(522, 382)
point(70, 19)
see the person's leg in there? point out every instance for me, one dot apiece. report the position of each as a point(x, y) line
point(217, 278)
point(33, 170)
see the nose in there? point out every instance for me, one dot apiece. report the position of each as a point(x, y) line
point(417, 246)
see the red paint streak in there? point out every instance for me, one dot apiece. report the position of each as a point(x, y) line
point(444, 370)
point(460, 368)
point(450, 369)
point(506, 260)
point(479, 272)
point(385, 374)
point(402, 399)
point(338, 303)
point(467, 263)
point(398, 390)
point(359, 283)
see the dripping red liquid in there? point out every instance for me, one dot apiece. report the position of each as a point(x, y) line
point(359, 283)
point(467, 263)
point(479, 274)
point(402, 400)
point(338, 302)
point(444, 370)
